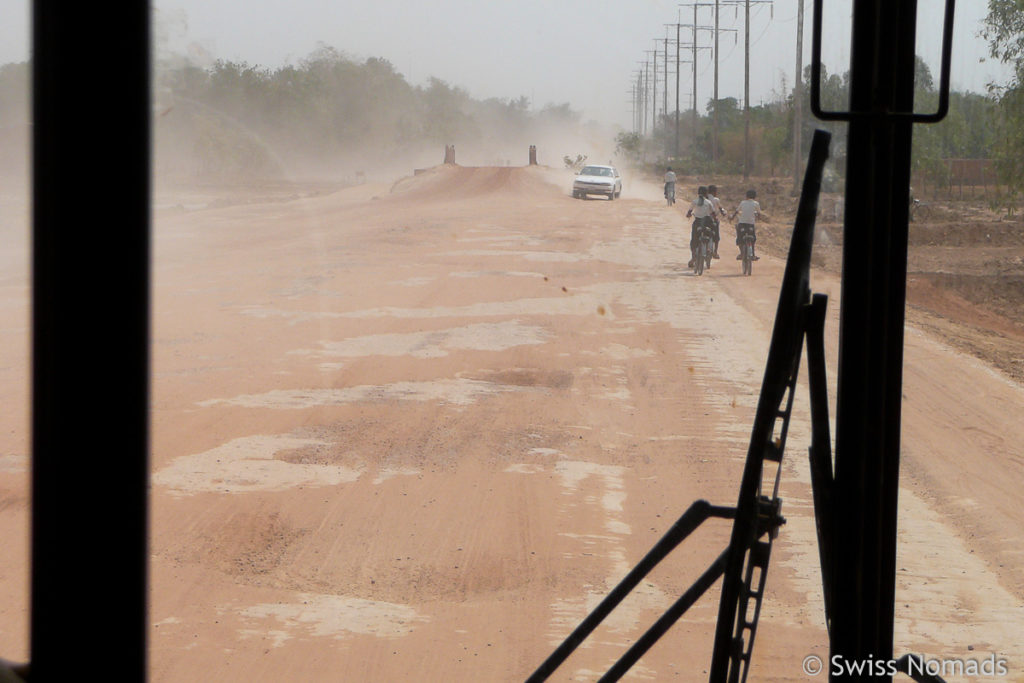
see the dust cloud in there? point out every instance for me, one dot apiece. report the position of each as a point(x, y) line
point(15, 134)
point(339, 119)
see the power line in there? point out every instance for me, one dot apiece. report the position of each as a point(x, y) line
point(716, 30)
point(746, 73)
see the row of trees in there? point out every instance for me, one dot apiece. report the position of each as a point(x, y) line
point(970, 131)
point(330, 115)
point(238, 119)
point(1004, 31)
point(329, 111)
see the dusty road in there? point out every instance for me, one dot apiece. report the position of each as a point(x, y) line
point(414, 433)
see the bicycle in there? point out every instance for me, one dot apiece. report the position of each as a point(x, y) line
point(747, 250)
point(919, 209)
point(703, 251)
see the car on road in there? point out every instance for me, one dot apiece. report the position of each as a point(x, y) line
point(597, 180)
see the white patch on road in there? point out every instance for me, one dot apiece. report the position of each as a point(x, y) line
point(623, 621)
point(574, 302)
point(414, 282)
point(13, 463)
point(622, 395)
point(435, 343)
point(524, 468)
point(389, 472)
point(950, 594)
point(248, 464)
point(338, 616)
point(494, 273)
point(621, 352)
point(643, 252)
point(574, 472)
point(276, 638)
point(547, 256)
point(458, 392)
point(728, 363)
point(504, 237)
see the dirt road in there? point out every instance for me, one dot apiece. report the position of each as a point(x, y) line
point(415, 433)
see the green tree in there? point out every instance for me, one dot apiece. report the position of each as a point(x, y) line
point(444, 113)
point(1004, 31)
point(328, 111)
point(929, 146)
point(629, 145)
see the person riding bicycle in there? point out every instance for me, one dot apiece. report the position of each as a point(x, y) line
point(749, 211)
point(670, 184)
point(701, 209)
point(715, 212)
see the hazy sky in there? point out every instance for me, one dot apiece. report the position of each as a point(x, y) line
point(584, 52)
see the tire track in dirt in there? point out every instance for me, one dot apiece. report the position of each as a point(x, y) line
point(482, 524)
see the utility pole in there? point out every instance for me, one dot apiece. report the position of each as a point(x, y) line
point(746, 93)
point(643, 92)
point(746, 78)
point(664, 108)
point(632, 103)
point(694, 35)
point(798, 97)
point(654, 91)
point(677, 91)
point(639, 102)
point(669, 150)
point(643, 98)
point(679, 44)
point(714, 111)
point(715, 29)
point(636, 102)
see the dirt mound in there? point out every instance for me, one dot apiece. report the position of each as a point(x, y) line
point(453, 183)
point(976, 232)
point(965, 272)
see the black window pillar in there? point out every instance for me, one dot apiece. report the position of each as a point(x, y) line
point(871, 330)
point(90, 339)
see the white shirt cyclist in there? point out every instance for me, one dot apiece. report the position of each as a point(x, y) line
point(717, 204)
point(748, 211)
point(701, 210)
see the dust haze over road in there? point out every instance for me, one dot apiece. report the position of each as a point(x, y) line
point(337, 119)
point(415, 430)
point(413, 427)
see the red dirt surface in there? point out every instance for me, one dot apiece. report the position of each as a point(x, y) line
point(415, 431)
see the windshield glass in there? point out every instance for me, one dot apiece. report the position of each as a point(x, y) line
point(419, 395)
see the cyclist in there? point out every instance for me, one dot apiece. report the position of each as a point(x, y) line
point(670, 185)
point(715, 212)
point(749, 211)
point(701, 209)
